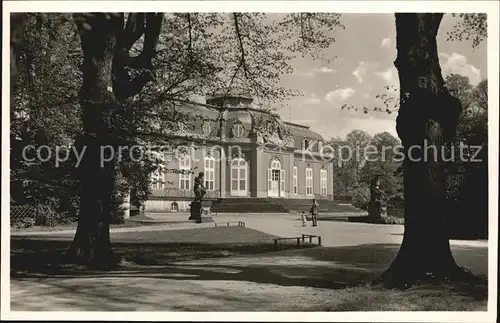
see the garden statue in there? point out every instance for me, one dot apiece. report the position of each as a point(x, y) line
point(377, 206)
point(199, 188)
point(199, 193)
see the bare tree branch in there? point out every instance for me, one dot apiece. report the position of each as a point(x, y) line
point(134, 29)
point(240, 41)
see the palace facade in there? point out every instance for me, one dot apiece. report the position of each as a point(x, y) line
point(243, 152)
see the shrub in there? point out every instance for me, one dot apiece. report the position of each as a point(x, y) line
point(25, 223)
point(382, 220)
point(392, 220)
point(396, 201)
point(46, 215)
point(360, 197)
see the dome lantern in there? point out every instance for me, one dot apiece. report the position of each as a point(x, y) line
point(230, 100)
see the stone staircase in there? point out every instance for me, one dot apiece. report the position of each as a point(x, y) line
point(246, 205)
point(270, 205)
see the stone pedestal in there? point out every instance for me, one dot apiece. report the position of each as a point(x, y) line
point(383, 210)
point(377, 206)
point(200, 212)
point(377, 209)
point(206, 213)
point(195, 210)
point(126, 206)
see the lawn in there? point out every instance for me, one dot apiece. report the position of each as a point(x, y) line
point(40, 254)
point(419, 298)
point(131, 223)
point(225, 269)
point(72, 226)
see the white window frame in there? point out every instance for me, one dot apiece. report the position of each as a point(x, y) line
point(282, 183)
point(239, 164)
point(295, 180)
point(185, 179)
point(309, 180)
point(209, 172)
point(323, 182)
point(273, 168)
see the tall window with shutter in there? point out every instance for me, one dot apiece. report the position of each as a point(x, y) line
point(209, 172)
point(295, 181)
point(323, 182)
point(185, 173)
point(309, 181)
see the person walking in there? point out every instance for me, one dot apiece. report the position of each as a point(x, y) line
point(314, 213)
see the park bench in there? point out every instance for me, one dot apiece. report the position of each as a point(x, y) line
point(311, 236)
point(229, 223)
point(298, 239)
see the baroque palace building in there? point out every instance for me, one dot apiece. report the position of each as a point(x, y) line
point(243, 152)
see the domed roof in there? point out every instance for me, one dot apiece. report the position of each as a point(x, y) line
point(253, 121)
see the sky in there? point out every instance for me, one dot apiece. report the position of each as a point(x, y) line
point(366, 51)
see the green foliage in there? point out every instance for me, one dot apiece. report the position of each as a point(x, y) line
point(45, 111)
point(391, 220)
point(196, 53)
point(47, 214)
point(354, 175)
point(360, 196)
point(467, 181)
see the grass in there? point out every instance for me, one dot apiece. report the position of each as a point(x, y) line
point(42, 254)
point(73, 225)
point(242, 258)
point(382, 220)
point(418, 298)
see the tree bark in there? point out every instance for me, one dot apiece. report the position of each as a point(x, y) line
point(106, 43)
point(427, 117)
point(91, 245)
point(17, 21)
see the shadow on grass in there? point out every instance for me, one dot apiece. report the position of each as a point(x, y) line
point(43, 258)
point(220, 254)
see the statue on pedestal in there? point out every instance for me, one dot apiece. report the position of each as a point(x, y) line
point(377, 206)
point(199, 193)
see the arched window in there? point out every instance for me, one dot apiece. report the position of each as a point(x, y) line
point(305, 144)
point(323, 178)
point(185, 172)
point(275, 164)
point(309, 181)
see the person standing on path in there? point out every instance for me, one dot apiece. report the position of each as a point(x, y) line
point(303, 218)
point(314, 213)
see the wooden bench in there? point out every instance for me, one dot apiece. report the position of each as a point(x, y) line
point(311, 236)
point(298, 239)
point(238, 223)
point(281, 239)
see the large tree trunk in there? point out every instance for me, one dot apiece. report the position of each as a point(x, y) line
point(428, 113)
point(91, 244)
point(106, 43)
point(17, 21)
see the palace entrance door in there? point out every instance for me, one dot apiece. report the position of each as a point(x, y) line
point(275, 180)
